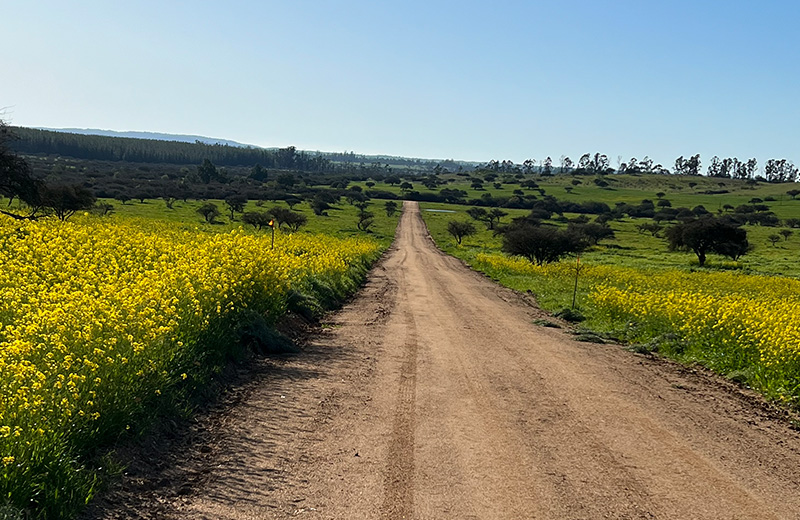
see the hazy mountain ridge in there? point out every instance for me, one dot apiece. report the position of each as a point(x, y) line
point(183, 138)
point(151, 135)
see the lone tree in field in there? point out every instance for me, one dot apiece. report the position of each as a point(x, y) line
point(540, 244)
point(209, 211)
point(292, 202)
point(65, 200)
point(390, 207)
point(708, 235)
point(460, 229)
point(294, 220)
point(786, 233)
point(235, 204)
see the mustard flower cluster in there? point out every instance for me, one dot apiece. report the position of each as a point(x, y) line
point(98, 317)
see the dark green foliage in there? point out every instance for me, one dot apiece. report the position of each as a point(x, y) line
point(391, 208)
point(295, 220)
point(650, 227)
point(708, 235)
point(571, 315)
point(365, 220)
point(460, 229)
point(257, 219)
point(258, 173)
point(235, 204)
point(256, 335)
point(16, 180)
point(286, 180)
point(452, 196)
point(281, 215)
point(104, 148)
point(319, 206)
point(207, 172)
point(479, 214)
point(292, 202)
point(65, 200)
point(792, 222)
point(546, 323)
point(209, 211)
point(103, 209)
point(540, 244)
point(592, 232)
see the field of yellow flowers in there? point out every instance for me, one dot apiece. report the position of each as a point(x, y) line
point(744, 326)
point(99, 320)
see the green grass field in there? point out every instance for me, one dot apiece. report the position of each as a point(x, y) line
point(340, 222)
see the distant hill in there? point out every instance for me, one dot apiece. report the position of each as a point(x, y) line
point(145, 151)
point(150, 135)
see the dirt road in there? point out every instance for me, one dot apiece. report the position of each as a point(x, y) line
point(433, 395)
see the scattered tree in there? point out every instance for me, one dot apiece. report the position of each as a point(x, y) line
point(708, 234)
point(540, 244)
point(103, 209)
point(292, 202)
point(235, 204)
point(391, 208)
point(460, 229)
point(65, 200)
point(592, 232)
point(257, 219)
point(650, 227)
point(365, 218)
point(294, 220)
point(281, 215)
point(209, 211)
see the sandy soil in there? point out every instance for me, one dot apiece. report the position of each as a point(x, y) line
point(433, 395)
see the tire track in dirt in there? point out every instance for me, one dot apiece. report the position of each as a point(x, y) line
point(399, 485)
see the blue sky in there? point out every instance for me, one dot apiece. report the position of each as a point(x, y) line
point(439, 79)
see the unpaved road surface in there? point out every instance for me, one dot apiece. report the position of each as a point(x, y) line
point(433, 395)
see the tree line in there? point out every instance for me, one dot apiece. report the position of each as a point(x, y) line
point(774, 170)
point(137, 150)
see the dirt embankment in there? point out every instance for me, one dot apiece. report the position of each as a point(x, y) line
point(432, 395)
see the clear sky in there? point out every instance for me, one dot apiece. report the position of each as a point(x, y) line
point(470, 80)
